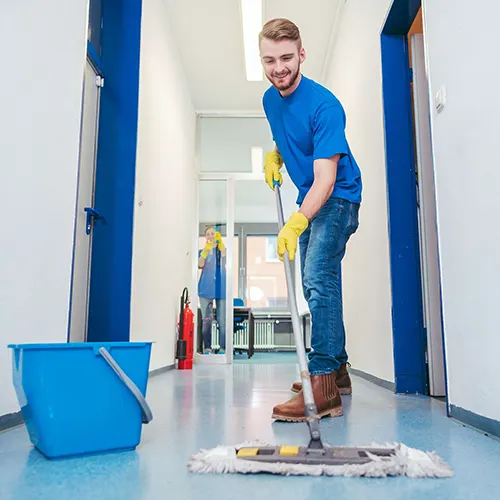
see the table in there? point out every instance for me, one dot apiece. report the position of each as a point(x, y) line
point(247, 314)
point(238, 312)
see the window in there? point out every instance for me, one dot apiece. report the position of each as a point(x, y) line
point(265, 274)
point(272, 249)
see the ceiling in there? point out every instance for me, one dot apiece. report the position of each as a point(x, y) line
point(208, 37)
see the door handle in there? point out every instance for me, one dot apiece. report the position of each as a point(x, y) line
point(92, 213)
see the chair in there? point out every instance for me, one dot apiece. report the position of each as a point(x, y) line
point(238, 321)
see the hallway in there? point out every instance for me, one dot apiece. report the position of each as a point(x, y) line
point(208, 406)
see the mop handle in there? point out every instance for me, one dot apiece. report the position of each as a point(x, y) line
point(310, 406)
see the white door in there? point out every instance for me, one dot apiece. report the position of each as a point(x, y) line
point(427, 219)
point(85, 207)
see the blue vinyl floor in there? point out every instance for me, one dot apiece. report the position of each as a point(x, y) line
point(214, 405)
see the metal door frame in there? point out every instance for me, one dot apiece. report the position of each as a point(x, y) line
point(93, 60)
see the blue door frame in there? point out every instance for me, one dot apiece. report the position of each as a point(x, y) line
point(409, 336)
point(111, 270)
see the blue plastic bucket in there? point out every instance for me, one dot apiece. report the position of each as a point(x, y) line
point(82, 398)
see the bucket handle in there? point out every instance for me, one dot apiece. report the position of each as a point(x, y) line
point(147, 414)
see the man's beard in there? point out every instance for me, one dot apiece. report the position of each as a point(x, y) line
point(293, 79)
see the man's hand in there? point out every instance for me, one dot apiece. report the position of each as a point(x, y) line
point(289, 235)
point(272, 164)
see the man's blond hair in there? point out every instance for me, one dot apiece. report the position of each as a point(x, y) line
point(281, 29)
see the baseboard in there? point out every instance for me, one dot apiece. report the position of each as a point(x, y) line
point(161, 370)
point(478, 422)
point(390, 386)
point(11, 420)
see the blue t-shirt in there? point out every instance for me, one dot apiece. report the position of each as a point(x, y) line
point(307, 125)
point(212, 283)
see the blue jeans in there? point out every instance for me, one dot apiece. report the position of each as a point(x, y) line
point(322, 248)
point(207, 313)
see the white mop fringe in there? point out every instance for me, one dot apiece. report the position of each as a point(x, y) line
point(407, 462)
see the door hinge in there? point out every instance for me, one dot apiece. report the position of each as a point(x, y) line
point(411, 75)
point(99, 81)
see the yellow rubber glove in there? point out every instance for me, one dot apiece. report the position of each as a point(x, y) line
point(208, 247)
point(289, 235)
point(272, 164)
point(219, 242)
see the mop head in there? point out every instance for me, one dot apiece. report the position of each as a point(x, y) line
point(404, 461)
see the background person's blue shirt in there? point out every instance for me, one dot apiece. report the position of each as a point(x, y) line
point(307, 125)
point(212, 283)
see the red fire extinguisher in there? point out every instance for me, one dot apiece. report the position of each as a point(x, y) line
point(185, 339)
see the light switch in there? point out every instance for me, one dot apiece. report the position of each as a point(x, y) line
point(440, 99)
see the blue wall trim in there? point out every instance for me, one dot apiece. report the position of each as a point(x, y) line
point(407, 309)
point(94, 59)
point(485, 424)
point(111, 273)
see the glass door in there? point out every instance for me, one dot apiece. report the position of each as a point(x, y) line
point(241, 293)
point(216, 250)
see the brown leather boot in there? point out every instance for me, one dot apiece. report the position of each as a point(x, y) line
point(343, 381)
point(326, 396)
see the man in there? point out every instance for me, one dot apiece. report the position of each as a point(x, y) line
point(308, 127)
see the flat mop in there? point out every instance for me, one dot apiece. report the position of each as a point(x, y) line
point(317, 458)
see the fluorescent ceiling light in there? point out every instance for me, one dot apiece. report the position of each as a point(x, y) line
point(251, 12)
point(257, 160)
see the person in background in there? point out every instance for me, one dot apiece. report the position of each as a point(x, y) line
point(212, 287)
point(308, 127)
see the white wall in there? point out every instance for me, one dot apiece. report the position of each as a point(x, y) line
point(165, 196)
point(461, 41)
point(41, 97)
point(355, 77)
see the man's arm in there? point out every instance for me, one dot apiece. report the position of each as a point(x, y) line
point(325, 174)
